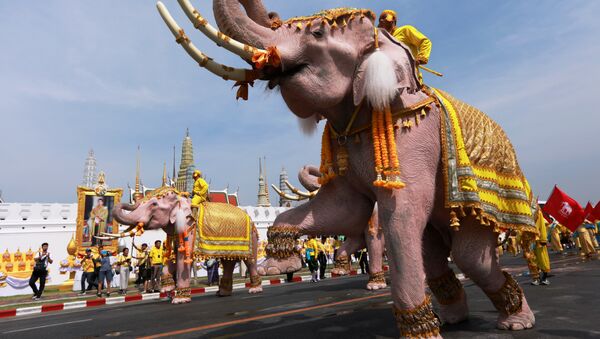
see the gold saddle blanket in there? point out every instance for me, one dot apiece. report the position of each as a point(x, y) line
point(481, 172)
point(223, 232)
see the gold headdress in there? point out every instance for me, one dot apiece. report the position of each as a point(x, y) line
point(389, 15)
point(334, 17)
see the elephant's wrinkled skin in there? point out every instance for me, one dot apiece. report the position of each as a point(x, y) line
point(322, 73)
point(372, 239)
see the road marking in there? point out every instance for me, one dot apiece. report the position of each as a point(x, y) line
point(45, 326)
point(29, 310)
point(260, 317)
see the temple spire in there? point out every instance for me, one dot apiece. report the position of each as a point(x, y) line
point(283, 177)
point(137, 171)
point(164, 177)
point(186, 167)
point(174, 177)
point(89, 171)
point(263, 194)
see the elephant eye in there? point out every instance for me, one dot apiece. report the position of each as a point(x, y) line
point(318, 34)
point(155, 204)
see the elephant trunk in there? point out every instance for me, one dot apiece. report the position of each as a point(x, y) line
point(257, 12)
point(130, 207)
point(121, 217)
point(237, 24)
point(309, 178)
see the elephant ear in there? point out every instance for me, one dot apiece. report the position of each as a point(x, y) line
point(404, 66)
point(182, 208)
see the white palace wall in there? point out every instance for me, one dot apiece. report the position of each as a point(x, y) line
point(28, 225)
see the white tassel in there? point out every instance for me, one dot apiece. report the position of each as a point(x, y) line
point(308, 125)
point(380, 80)
point(180, 221)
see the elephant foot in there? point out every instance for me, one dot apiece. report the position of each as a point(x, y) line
point(519, 321)
point(225, 287)
point(376, 281)
point(342, 265)
point(456, 312)
point(182, 295)
point(255, 284)
point(181, 300)
point(339, 271)
point(167, 289)
point(451, 296)
point(273, 266)
point(167, 283)
point(515, 314)
point(224, 293)
point(374, 286)
point(255, 290)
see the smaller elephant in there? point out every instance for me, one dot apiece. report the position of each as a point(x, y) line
point(371, 237)
point(171, 211)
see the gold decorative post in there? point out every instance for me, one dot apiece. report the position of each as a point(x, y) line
point(68, 265)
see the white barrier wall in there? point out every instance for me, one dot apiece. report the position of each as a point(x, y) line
point(28, 225)
point(24, 226)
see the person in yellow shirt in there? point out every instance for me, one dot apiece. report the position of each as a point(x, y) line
point(156, 260)
point(555, 230)
point(124, 264)
point(541, 252)
point(311, 248)
point(419, 44)
point(322, 258)
point(144, 268)
point(200, 190)
point(88, 266)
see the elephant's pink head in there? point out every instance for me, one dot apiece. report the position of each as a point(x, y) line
point(162, 208)
point(322, 56)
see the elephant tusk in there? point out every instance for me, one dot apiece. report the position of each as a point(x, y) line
point(104, 238)
point(244, 51)
point(287, 196)
point(305, 194)
point(225, 72)
point(118, 236)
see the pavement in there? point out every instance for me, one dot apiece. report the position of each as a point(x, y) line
point(332, 308)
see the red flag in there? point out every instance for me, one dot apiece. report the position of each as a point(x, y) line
point(595, 215)
point(564, 209)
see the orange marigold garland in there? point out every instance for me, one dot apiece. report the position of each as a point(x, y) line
point(326, 169)
point(377, 151)
point(394, 175)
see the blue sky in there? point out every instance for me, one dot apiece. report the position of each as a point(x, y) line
point(108, 76)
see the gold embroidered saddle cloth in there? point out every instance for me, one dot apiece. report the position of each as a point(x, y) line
point(223, 231)
point(481, 172)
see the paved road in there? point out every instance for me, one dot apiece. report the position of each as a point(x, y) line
point(334, 308)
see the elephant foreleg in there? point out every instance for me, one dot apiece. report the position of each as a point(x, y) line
point(255, 280)
point(474, 251)
point(404, 225)
point(375, 246)
point(226, 282)
point(184, 271)
point(442, 281)
point(336, 209)
point(343, 264)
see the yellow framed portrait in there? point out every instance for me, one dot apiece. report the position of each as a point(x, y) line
point(94, 217)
